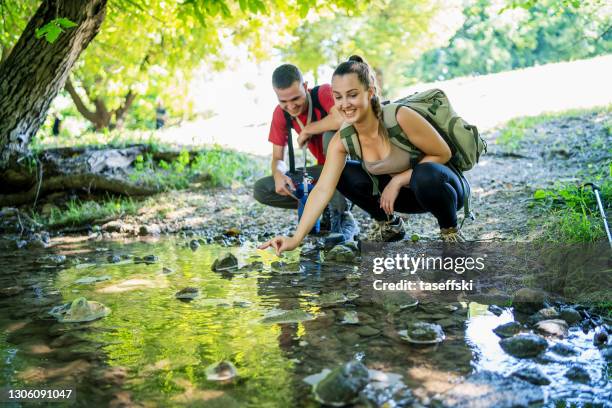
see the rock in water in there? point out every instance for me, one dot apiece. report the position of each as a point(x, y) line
point(554, 327)
point(528, 300)
point(548, 313)
point(341, 253)
point(423, 333)
point(188, 293)
point(225, 262)
point(342, 385)
point(286, 316)
point(496, 310)
point(487, 389)
point(150, 259)
point(221, 371)
point(194, 244)
point(570, 315)
point(563, 349)
point(578, 374)
point(113, 259)
point(80, 310)
point(600, 337)
point(507, 329)
point(532, 375)
point(524, 345)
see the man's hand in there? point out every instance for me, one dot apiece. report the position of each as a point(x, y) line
point(388, 196)
point(283, 185)
point(280, 244)
point(303, 138)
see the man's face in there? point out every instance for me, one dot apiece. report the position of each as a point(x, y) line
point(293, 100)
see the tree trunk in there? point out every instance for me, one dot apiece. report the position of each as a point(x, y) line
point(122, 110)
point(36, 70)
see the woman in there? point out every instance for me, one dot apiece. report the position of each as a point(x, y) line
point(428, 186)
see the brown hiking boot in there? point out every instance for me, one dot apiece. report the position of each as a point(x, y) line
point(451, 235)
point(387, 231)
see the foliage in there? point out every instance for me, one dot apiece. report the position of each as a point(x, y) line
point(215, 167)
point(387, 33)
point(495, 38)
point(78, 212)
point(52, 30)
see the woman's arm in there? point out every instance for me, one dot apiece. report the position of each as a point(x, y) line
point(423, 136)
point(320, 195)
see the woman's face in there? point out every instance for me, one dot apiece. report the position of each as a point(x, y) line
point(351, 97)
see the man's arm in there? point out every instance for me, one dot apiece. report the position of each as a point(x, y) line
point(332, 121)
point(282, 183)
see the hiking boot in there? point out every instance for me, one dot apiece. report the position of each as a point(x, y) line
point(451, 234)
point(345, 224)
point(387, 231)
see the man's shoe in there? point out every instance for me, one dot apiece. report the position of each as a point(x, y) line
point(451, 235)
point(388, 231)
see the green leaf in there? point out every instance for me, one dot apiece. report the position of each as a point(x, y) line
point(539, 195)
point(64, 22)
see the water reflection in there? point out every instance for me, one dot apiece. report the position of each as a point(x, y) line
point(154, 349)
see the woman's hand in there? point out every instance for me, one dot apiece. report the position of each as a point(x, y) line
point(389, 195)
point(280, 244)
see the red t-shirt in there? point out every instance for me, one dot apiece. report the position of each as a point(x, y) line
point(278, 127)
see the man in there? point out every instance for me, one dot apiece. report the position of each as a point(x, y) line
point(311, 113)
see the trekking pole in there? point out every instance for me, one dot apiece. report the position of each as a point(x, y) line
point(596, 190)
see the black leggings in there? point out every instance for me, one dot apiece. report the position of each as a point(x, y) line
point(433, 188)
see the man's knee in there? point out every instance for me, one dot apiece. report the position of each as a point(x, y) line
point(261, 190)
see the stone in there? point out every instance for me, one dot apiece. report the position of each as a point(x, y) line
point(152, 229)
point(225, 262)
point(548, 313)
point(579, 374)
point(532, 375)
point(507, 329)
point(367, 331)
point(11, 291)
point(194, 244)
point(113, 259)
point(570, 315)
point(486, 389)
point(341, 386)
point(496, 310)
point(600, 337)
point(564, 349)
point(188, 293)
point(286, 316)
point(527, 300)
point(341, 253)
point(554, 327)
point(607, 354)
point(150, 259)
point(524, 345)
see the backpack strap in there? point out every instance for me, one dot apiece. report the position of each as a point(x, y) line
point(316, 104)
point(290, 142)
point(350, 141)
point(396, 134)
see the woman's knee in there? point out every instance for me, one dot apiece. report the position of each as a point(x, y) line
point(428, 176)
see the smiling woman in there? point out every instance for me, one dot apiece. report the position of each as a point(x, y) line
point(411, 173)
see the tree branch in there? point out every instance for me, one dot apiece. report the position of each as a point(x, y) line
point(78, 102)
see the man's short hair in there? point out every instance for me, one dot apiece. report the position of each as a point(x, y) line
point(285, 75)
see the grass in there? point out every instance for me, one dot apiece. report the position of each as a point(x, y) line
point(513, 132)
point(573, 214)
point(80, 212)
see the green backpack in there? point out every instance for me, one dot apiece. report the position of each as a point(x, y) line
point(463, 139)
